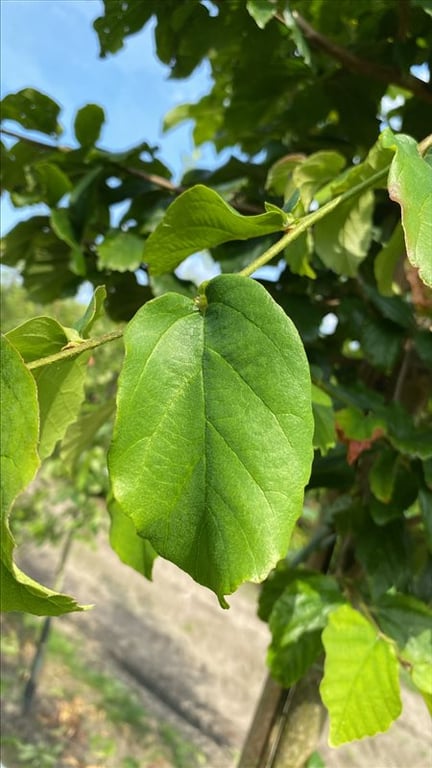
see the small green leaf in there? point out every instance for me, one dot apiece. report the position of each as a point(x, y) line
point(296, 621)
point(60, 384)
point(382, 475)
point(199, 218)
point(315, 171)
point(80, 434)
point(19, 462)
point(52, 182)
point(410, 185)
point(88, 123)
point(343, 238)
point(201, 394)
point(121, 251)
point(32, 110)
point(324, 419)
point(261, 11)
point(94, 311)
point(387, 259)
point(360, 687)
point(131, 548)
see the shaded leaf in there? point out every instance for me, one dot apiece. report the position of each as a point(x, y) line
point(81, 433)
point(360, 687)
point(184, 463)
point(88, 123)
point(343, 237)
point(131, 548)
point(33, 110)
point(387, 259)
point(324, 419)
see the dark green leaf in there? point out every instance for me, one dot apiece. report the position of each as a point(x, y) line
point(200, 491)
point(131, 548)
point(324, 420)
point(88, 123)
point(32, 110)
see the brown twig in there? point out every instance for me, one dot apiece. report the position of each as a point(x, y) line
point(361, 66)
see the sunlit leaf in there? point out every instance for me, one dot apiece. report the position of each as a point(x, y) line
point(200, 394)
point(360, 687)
point(199, 218)
point(121, 251)
point(410, 185)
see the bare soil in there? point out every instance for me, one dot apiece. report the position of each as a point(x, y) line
point(194, 665)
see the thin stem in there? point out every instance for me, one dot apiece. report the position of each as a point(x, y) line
point(73, 351)
point(307, 221)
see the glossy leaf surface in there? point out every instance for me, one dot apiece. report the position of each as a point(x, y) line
point(203, 397)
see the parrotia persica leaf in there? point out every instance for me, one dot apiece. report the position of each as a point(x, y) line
point(131, 548)
point(19, 462)
point(199, 218)
point(410, 185)
point(360, 687)
point(213, 438)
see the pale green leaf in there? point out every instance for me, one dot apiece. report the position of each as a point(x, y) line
point(88, 124)
point(19, 462)
point(315, 171)
point(199, 218)
point(360, 687)
point(131, 548)
point(261, 11)
point(343, 237)
point(410, 185)
point(60, 384)
point(94, 311)
point(121, 251)
point(205, 392)
point(298, 253)
point(280, 179)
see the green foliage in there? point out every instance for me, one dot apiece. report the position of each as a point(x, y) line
point(360, 686)
point(216, 420)
point(183, 425)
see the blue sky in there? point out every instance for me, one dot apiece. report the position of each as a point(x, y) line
point(51, 45)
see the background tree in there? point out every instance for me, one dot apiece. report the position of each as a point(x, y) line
point(216, 419)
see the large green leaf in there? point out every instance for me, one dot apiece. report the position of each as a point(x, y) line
point(410, 185)
point(60, 384)
point(213, 439)
point(360, 687)
point(19, 462)
point(199, 219)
